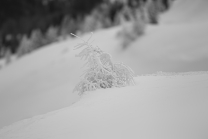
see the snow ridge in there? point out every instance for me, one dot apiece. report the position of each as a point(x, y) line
point(161, 73)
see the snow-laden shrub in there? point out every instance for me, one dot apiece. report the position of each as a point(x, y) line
point(154, 8)
point(51, 35)
point(8, 56)
point(91, 22)
point(26, 46)
point(101, 71)
point(132, 30)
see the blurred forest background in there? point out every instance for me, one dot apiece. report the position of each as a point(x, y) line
point(26, 25)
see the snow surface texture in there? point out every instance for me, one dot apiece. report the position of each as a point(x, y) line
point(159, 107)
point(166, 106)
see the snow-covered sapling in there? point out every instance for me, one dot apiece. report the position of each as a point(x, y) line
point(101, 71)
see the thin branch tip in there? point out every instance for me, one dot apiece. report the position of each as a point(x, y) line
point(72, 34)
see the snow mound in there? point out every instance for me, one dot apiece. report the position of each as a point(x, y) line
point(177, 44)
point(186, 11)
point(158, 107)
point(44, 80)
point(163, 105)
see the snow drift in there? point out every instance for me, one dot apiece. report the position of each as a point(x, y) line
point(157, 107)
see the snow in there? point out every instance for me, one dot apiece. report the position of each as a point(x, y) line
point(38, 83)
point(184, 11)
point(158, 107)
point(36, 99)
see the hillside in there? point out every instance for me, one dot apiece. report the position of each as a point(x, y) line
point(36, 99)
point(158, 107)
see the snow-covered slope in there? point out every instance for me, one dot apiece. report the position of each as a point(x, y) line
point(38, 83)
point(178, 44)
point(186, 11)
point(158, 107)
point(43, 81)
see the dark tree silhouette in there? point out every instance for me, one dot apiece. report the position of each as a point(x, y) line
point(21, 17)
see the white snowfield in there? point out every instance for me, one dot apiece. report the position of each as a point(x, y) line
point(158, 107)
point(36, 99)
